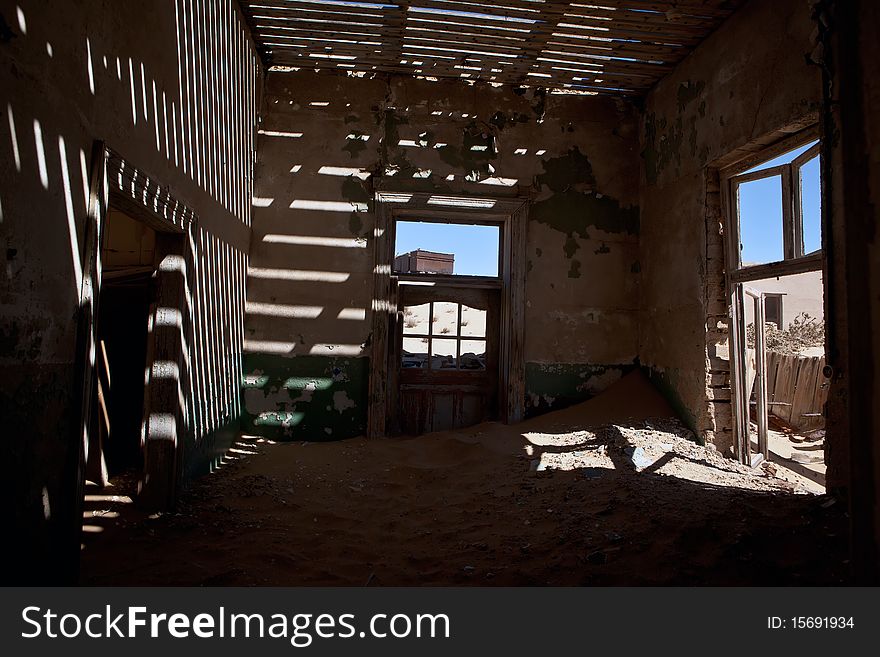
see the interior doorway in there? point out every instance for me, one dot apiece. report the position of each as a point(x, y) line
point(449, 295)
point(133, 338)
point(129, 260)
point(775, 262)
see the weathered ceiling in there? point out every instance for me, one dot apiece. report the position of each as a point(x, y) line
point(617, 47)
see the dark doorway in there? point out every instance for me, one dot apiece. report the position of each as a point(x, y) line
point(128, 257)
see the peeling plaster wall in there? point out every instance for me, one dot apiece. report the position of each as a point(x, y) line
point(160, 93)
point(748, 80)
point(309, 300)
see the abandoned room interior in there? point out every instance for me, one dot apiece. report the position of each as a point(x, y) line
point(444, 292)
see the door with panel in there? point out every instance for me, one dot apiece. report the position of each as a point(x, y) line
point(447, 357)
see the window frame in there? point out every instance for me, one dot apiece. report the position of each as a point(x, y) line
point(457, 337)
point(794, 261)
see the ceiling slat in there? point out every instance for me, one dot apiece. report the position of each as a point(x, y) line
point(618, 47)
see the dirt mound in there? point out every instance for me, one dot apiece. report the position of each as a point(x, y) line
point(633, 397)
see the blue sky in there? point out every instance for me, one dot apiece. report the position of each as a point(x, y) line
point(761, 210)
point(475, 247)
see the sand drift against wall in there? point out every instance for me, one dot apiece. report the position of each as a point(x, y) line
point(547, 501)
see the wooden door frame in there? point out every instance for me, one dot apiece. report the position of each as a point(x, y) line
point(737, 275)
point(115, 181)
point(511, 214)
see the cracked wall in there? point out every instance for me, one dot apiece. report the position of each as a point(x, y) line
point(745, 86)
point(328, 142)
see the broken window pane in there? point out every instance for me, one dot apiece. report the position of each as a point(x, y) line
point(443, 354)
point(473, 355)
point(415, 319)
point(760, 221)
point(473, 322)
point(811, 205)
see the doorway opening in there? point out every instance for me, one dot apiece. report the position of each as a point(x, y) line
point(128, 258)
point(777, 344)
point(132, 338)
point(448, 322)
point(446, 344)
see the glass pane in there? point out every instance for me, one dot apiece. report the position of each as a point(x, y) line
point(473, 322)
point(473, 354)
point(785, 158)
point(442, 354)
point(415, 319)
point(445, 320)
point(414, 353)
point(438, 248)
point(811, 205)
point(760, 221)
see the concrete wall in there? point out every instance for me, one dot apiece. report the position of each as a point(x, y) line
point(153, 83)
point(308, 314)
point(745, 84)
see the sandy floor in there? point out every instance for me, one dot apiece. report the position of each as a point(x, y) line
point(548, 501)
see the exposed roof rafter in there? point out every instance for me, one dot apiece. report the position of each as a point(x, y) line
point(615, 47)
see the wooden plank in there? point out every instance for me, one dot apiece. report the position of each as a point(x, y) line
point(635, 17)
point(686, 9)
point(710, 8)
point(165, 419)
point(804, 392)
point(772, 367)
point(328, 13)
point(627, 29)
point(551, 57)
point(84, 427)
point(786, 377)
point(773, 269)
point(820, 396)
point(440, 31)
point(454, 23)
point(506, 12)
point(309, 31)
point(639, 50)
point(347, 50)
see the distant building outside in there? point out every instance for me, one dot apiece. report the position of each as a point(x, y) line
point(788, 297)
point(424, 262)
